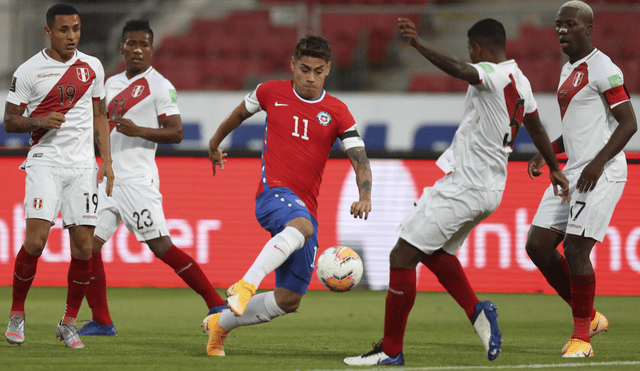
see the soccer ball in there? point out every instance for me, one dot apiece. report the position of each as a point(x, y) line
point(339, 268)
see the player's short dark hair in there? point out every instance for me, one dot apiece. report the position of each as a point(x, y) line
point(313, 46)
point(488, 32)
point(136, 25)
point(59, 9)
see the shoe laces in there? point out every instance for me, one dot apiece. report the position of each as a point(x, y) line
point(15, 321)
point(377, 348)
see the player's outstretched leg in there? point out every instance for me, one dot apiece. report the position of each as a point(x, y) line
point(485, 323)
point(69, 334)
point(376, 357)
point(15, 330)
point(211, 326)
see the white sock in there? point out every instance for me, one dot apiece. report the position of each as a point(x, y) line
point(273, 254)
point(261, 308)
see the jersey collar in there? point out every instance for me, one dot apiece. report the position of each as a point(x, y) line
point(321, 97)
point(579, 62)
point(69, 62)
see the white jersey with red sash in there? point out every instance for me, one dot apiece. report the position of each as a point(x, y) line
point(44, 85)
point(588, 90)
point(144, 99)
point(493, 112)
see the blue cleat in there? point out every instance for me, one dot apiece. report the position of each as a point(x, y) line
point(94, 328)
point(376, 357)
point(217, 309)
point(485, 323)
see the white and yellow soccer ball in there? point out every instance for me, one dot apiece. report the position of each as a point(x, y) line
point(339, 268)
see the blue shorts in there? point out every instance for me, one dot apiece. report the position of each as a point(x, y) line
point(275, 207)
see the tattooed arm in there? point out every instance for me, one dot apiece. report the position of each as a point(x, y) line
point(14, 122)
point(102, 141)
point(360, 163)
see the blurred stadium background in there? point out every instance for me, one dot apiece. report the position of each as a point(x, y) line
point(215, 51)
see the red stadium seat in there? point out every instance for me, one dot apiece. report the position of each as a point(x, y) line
point(543, 75)
point(435, 83)
point(185, 73)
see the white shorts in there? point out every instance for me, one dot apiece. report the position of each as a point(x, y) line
point(587, 214)
point(70, 191)
point(138, 205)
point(445, 214)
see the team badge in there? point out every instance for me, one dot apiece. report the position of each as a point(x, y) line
point(137, 91)
point(37, 203)
point(324, 118)
point(299, 202)
point(83, 74)
point(577, 79)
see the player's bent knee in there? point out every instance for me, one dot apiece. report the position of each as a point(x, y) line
point(287, 300)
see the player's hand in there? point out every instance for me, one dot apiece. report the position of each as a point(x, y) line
point(589, 177)
point(126, 127)
point(106, 171)
point(408, 31)
point(535, 164)
point(361, 209)
point(217, 158)
point(53, 120)
point(559, 180)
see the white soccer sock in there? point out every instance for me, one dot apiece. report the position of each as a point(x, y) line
point(261, 308)
point(273, 254)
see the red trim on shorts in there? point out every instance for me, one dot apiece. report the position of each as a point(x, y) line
point(557, 230)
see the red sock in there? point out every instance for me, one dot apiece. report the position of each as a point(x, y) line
point(78, 280)
point(583, 289)
point(97, 292)
point(400, 299)
point(24, 271)
point(192, 275)
point(451, 276)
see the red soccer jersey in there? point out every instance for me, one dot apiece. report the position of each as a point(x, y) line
point(299, 134)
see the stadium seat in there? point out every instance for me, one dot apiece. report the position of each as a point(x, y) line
point(375, 136)
point(435, 83)
point(248, 136)
point(185, 73)
point(433, 137)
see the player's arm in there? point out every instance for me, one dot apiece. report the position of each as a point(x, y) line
point(102, 141)
point(451, 65)
point(170, 131)
point(627, 126)
point(537, 162)
point(237, 116)
point(546, 151)
point(354, 146)
point(14, 122)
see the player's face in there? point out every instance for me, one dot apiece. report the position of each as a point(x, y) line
point(309, 74)
point(64, 36)
point(475, 52)
point(573, 32)
point(137, 49)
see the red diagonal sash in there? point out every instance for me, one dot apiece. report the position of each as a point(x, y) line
point(135, 93)
point(578, 79)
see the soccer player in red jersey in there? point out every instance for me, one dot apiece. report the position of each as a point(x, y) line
point(597, 122)
point(61, 90)
point(303, 122)
point(499, 99)
point(143, 108)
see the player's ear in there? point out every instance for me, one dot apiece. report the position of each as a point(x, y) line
point(121, 48)
point(293, 64)
point(47, 32)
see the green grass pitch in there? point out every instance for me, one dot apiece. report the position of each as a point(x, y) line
point(159, 329)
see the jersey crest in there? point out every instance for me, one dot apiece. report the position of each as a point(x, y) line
point(578, 79)
point(324, 118)
point(83, 74)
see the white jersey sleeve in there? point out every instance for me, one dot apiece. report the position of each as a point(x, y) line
point(21, 86)
point(608, 78)
point(166, 99)
point(97, 91)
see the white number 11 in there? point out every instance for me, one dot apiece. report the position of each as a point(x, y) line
point(295, 130)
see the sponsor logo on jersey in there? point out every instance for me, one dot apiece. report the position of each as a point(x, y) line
point(12, 86)
point(299, 202)
point(324, 118)
point(83, 74)
point(46, 75)
point(281, 104)
point(37, 203)
point(615, 81)
point(577, 79)
point(137, 91)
